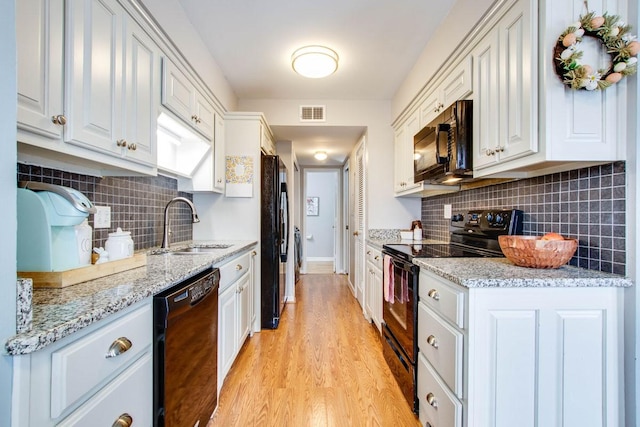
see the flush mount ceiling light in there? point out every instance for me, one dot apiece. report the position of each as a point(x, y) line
point(314, 61)
point(320, 155)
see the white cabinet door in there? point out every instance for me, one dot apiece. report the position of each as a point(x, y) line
point(242, 289)
point(403, 151)
point(219, 155)
point(377, 304)
point(398, 160)
point(142, 90)
point(95, 73)
point(227, 331)
point(458, 84)
point(517, 89)
point(182, 97)
point(39, 33)
point(504, 90)
point(485, 103)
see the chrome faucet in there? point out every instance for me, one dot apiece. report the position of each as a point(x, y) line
point(165, 233)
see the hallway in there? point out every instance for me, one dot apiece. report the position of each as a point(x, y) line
point(328, 368)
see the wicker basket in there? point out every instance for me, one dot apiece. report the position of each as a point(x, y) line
point(531, 251)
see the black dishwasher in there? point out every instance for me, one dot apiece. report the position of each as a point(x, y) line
point(185, 356)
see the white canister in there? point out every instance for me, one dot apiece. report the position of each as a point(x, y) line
point(84, 241)
point(119, 245)
point(417, 233)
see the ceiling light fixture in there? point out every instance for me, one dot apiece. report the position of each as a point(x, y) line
point(320, 155)
point(314, 61)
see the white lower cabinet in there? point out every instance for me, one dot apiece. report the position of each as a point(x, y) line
point(234, 310)
point(373, 288)
point(520, 356)
point(94, 377)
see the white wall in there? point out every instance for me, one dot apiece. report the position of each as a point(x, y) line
point(173, 20)
point(319, 231)
point(8, 218)
point(389, 212)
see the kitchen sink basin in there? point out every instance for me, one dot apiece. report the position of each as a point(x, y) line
point(195, 250)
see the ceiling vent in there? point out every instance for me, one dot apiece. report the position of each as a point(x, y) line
point(312, 113)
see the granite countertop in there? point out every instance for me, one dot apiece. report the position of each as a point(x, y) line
point(58, 313)
point(502, 273)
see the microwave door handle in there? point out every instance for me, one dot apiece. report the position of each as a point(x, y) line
point(442, 127)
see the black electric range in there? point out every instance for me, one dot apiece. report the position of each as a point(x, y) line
point(472, 233)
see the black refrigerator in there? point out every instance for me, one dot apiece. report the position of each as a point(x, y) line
point(274, 239)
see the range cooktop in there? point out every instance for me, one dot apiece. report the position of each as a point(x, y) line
point(472, 234)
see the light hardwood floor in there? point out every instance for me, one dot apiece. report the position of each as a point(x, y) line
point(320, 267)
point(322, 367)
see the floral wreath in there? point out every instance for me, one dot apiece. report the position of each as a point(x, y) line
point(614, 36)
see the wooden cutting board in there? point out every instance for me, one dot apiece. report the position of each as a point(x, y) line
point(62, 279)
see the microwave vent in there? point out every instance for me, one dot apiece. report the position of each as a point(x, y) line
point(312, 113)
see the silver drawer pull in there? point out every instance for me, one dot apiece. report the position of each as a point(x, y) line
point(377, 257)
point(124, 420)
point(238, 267)
point(434, 294)
point(118, 347)
point(431, 400)
point(432, 341)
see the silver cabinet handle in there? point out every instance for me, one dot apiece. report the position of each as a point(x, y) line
point(499, 149)
point(118, 347)
point(368, 252)
point(489, 152)
point(132, 146)
point(124, 420)
point(219, 181)
point(238, 267)
point(377, 257)
point(432, 341)
point(434, 294)
point(254, 253)
point(60, 120)
point(121, 143)
point(431, 400)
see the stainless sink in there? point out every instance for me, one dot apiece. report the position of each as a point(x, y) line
point(195, 250)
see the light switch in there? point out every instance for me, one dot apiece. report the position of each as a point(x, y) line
point(447, 211)
point(102, 217)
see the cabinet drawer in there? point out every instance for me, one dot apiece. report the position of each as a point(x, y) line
point(129, 394)
point(444, 299)
point(445, 410)
point(84, 364)
point(374, 256)
point(442, 345)
point(233, 269)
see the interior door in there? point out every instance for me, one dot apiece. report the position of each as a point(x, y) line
point(358, 234)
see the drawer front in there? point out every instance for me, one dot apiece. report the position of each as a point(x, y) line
point(442, 298)
point(442, 345)
point(84, 364)
point(374, 256)
point(438, 406)
point(234, 269)
point(129, 394)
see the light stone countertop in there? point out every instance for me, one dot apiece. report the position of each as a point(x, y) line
point(58, 313)
point(502, 273)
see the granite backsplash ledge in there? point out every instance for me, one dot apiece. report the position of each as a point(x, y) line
point(137, 203)
point(587, 204)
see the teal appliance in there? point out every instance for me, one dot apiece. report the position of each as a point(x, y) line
point(47, 216)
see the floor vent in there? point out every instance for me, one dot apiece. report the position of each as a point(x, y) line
point(312, 113)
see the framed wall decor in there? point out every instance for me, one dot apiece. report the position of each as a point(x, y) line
point(312, 206)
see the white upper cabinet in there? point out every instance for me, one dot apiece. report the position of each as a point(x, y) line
point(404, 154)
point(457, 84)
point(182, 97)
point(88, 83)
point(95, 74)
point(526, 121)
point(504, 91)
point(40, 35)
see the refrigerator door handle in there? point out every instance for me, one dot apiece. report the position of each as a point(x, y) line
point(285, 222)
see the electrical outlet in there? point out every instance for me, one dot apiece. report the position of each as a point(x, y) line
point(102, 217)
point(447, 211)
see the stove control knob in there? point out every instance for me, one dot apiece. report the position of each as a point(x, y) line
point(457, 217)
point(499, 219)
point(489, 217)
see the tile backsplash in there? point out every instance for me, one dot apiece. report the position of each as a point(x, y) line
point(586, 204)
point(137, 203)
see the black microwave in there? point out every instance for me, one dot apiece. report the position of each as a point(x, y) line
point(442, 149)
